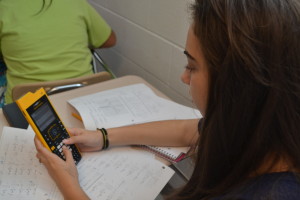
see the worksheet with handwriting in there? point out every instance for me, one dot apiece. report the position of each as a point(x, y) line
point(133, 104)
point(122, 173)
point(115, 174)
point(21, 174)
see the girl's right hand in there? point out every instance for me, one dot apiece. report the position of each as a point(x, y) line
point(86, 140)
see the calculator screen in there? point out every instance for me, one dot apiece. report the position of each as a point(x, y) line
point(45, 119)
point(43, 116)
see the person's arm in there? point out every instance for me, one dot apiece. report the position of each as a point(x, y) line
point(111, 41)
point(100, 33)
point(161, 133)
point(64, 173)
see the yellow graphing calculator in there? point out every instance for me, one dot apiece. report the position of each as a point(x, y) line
point(45, 122)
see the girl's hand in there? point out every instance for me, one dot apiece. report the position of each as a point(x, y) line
point(86, 140)
point(61, 171)
point(64, 173)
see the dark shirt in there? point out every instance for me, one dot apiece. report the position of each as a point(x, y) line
point(2, 81)
point(273, 186)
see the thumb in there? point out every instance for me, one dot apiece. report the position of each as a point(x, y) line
point(75, 131)
point(75, 139)
point(68, 154)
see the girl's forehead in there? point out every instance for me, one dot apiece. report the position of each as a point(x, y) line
point(193, 46)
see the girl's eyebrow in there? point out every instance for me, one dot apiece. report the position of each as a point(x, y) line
point(188, 55)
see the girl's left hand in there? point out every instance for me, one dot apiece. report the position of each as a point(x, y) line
point(62, 172)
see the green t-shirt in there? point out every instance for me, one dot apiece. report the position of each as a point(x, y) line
point(50, 45)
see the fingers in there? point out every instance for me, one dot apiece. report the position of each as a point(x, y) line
point(68, 155)
point(72, 132)
point(38, 156)
point(38, 145)
point(76, 139)
point(75, 131)
point(43, 154)
point(36, 141)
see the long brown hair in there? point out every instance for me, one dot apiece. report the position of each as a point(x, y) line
point(252, 50)
point(45, 5)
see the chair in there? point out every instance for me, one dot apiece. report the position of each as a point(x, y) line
point(57, 86)
point(3, 82)
point(96, 57)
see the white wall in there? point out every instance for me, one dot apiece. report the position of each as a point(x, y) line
point(151, 39)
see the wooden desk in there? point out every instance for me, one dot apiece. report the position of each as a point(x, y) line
point(64, 109)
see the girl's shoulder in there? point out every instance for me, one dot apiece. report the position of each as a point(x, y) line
point(273, 186)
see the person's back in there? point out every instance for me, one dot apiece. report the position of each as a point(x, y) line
point(48, 43)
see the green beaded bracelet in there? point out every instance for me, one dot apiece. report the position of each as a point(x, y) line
point(105, 138)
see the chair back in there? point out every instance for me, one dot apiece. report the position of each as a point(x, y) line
point(97, 58)
point(57, 86)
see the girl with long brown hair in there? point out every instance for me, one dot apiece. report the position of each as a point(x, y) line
point(244, 76)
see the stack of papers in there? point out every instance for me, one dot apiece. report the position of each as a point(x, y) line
point(133, 104)
point(119, 173)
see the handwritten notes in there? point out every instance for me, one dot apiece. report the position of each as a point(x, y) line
point(128, 105)
point(118, 173)
point(21, 175)
point(122, 173)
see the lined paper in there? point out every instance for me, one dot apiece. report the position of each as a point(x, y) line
point(21, 175)
point(122, 173)
point(118, 173)
point(133, 104)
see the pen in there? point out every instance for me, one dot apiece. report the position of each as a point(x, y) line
point(77, 116)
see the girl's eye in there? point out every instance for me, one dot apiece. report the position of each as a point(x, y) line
point(189, 68)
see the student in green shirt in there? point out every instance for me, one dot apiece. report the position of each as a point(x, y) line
point(49, 40)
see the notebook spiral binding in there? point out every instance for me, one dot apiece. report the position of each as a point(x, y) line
point(162, 153)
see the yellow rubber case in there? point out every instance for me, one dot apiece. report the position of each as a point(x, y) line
point(34, 102)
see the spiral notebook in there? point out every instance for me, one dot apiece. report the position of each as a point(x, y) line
point(173, 154)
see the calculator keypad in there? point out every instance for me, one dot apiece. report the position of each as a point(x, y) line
point(54, 137)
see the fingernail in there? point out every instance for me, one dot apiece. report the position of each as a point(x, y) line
point(65, 140)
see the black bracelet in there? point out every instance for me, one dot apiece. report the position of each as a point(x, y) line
point(105, 138)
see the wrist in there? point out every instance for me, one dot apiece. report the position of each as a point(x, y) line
point(71, 189)
point(105, 139)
